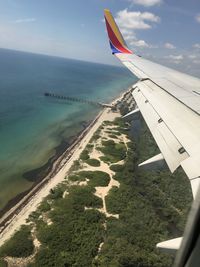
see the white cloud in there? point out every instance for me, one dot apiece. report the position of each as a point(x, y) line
point(196, 46)
point(196, 61)
point(140, 43)
point(130, 22)
point(174, 57)
point(192, 56)
point(197, 17)
point(169, 46)
point(25, 20)
point(146, 3)
point(136, 20)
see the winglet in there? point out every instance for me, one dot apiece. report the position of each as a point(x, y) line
point(117, 43)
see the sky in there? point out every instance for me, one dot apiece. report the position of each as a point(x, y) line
point(164, 31)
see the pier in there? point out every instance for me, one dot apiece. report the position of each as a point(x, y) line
point(75, 99)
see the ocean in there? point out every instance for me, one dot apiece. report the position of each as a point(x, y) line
point(33, 127)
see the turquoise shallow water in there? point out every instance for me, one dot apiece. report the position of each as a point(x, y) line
point(32, 126)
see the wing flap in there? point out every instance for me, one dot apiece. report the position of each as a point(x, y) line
point(191, 168)
point(185, 127)
point(166, 140)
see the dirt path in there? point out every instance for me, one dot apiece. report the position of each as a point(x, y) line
point(102, 191)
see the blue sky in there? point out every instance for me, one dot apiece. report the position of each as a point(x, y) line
point(166, 31)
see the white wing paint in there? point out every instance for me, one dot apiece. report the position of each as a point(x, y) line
point(169, 101)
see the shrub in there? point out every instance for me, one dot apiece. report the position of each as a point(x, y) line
point(76, 177)
point(107, 123)
point(57, 192)
point(20, 245)
point(44, 206)
point(117, 133)
point(89, 147)
point(3, 263)
point(108, 143)
point(97, 178)
point(113, 136)
point(34, 216)
point(117, 167)
point(114, 152)
point(93, 162)
point(84, 155)
point(105, 159)
point(84, 196)
point(76, 166)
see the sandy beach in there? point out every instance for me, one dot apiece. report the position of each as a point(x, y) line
point(18, 215)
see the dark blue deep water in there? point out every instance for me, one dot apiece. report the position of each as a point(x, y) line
point(31, 125)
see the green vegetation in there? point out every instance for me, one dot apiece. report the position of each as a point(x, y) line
point(20, 245)
point(95, 136)
point(106, 123)
point(84, 155)
point(105, 159)
point(74, 236)
point(76, 166)
point(3, 263)
point(152, 207)
point(77, 228)
point(117, 167)
point(44, 206)
point(83, 196)
point(113, 136)
point(89, 147)
point(113, 152)
point(76, 177)
point(96, 178)
point(57, 192)
point(93, 162)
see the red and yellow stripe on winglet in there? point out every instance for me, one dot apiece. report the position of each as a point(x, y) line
point(116, 39)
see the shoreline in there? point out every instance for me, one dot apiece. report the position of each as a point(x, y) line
point(42, 172)
point(17, 215)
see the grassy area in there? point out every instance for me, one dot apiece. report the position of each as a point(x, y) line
point(20, 245)
point(113, 152)
point(113, 136)
point(117, 167)
point(74, 236)
point(152, 207)
point(93, 162)
point(85, 155)
point(96, 178)
point(3, 263)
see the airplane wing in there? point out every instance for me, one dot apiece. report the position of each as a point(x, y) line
point(170, 104)
point(169, 101)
